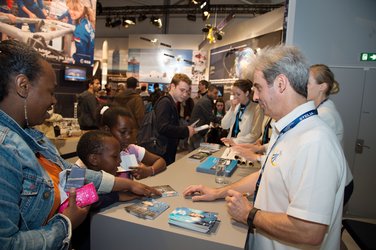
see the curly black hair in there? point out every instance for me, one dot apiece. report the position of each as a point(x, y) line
point(17, 58)
point(91, 143)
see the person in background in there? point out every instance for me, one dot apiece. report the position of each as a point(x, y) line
point(148, 106)
point(167, 116)
point(298, 193)
point(119, 123)
point(219, 109)
point(29, 162)
point(216, 132)
point(6, 11)
point(244, 118)
point(88, 106)
point(132, 102)
point(185, 111)
point(156, 94)
point(202, 88)
point(321, 85)
point(83, 18)
point(203, 111)
point(31, 9)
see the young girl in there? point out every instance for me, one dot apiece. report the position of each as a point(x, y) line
point(119, 122)
point(219, 109)
point(83, 35)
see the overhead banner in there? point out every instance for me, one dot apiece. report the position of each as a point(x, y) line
point(60, 30)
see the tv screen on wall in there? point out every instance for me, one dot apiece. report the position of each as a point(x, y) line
point(74, 73)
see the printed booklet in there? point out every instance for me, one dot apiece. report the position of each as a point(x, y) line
point(166, 190)
point(209, 165)
point(193, 219)
point(147, 209)
point(199, 156)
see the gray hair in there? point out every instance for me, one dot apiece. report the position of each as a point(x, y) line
point(286, 60)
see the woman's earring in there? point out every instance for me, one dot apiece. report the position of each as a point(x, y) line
point(25, 113)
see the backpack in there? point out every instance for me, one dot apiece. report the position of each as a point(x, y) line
point(148, 136)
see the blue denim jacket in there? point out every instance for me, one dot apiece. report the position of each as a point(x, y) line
point(26, 190)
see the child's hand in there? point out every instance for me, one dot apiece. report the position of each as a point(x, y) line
point(75, 214)
point(141, 172)
point(127, 196)
point(144, 190)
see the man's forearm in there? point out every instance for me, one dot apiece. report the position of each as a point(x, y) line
point(290, 229)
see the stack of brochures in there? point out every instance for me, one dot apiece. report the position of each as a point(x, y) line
point(193, 219)
point(147, 209)
point(199, 156)
point(209, 165)
point(209, 147)
point(166, 190)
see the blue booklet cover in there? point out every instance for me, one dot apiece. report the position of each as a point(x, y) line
point(147, 208)
point(194, 219)
point(208, 166)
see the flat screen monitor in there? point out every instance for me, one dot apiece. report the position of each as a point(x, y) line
point(74, 73)
point(151, 87)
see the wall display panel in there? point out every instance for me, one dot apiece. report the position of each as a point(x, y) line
point(51, 29)
point(160, 65)
point(227, 62)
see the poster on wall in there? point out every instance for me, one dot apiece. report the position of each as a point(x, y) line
point(60, 30)
point(160, 65)
point(228, 62)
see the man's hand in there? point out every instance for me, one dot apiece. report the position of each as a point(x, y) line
point(200, 193)
point(248, 154)
point(238, 206)
point(75, 213)
point(228, 141)
point(191, 130)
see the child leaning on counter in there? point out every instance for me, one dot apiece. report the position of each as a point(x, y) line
point(119, 123)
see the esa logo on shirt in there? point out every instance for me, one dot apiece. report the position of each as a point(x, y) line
point(274, 158)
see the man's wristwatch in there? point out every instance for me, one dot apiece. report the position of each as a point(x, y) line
point(251, 217)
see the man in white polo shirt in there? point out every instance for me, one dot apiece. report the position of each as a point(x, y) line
point(299, 189)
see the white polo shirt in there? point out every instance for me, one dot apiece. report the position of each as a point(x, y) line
point(304, 177)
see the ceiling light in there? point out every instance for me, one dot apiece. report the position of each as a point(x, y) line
point(205, 15)
point(129, 21)
point(156, 21)
point(203, 4)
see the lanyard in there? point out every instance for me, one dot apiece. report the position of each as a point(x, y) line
point(321, 103)
point(239, 115)
point(290, 126)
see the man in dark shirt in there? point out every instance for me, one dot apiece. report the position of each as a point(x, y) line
point(203, 110)
point(168, 118)
point(88, 106)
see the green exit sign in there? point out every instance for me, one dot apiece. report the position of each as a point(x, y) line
point(368, 57)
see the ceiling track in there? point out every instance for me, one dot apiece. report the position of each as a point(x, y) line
point(256, 9)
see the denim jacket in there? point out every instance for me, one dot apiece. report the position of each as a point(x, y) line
point(26, 190)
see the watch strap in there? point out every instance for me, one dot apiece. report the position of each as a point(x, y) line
point(251, 217)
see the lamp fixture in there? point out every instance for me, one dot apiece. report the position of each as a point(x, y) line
point(156, 21)
point(205, 15)
point(129, 21)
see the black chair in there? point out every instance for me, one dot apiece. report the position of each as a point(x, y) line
point(363, 233)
